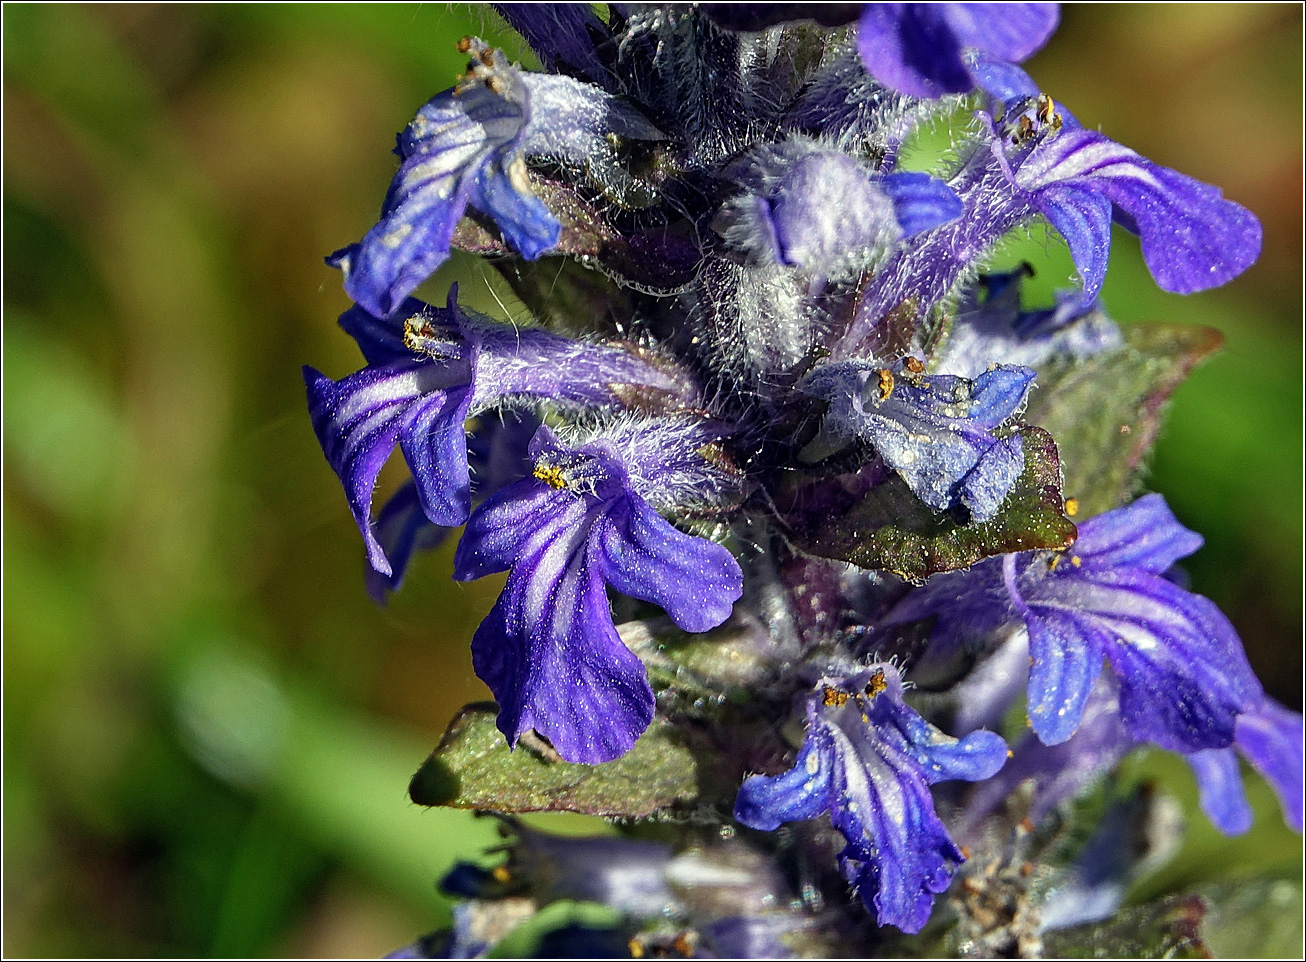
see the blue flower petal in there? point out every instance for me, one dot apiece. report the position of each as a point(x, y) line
point(430, 369)
point(434, 444)
point(450, 141)
point(641, 555)
point(494, 535)
point(467, 147)
point(358, 421)
point(521, 217)
point(1008, 31)
point(1193, 239)
point(920, 202)
point(1183, 677)
point(984, 487)
point(1083, 219)
point(918, 48)
point(1146, 535)
point(912, 48)
point(1002, 80)
point(767, 802)
point(549, 650)
point(1065, 650)
point(934, 430)
point(1271, 737)
point(1220, 789)
point(869, 760)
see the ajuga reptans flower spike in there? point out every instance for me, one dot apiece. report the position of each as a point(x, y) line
point(775, 454)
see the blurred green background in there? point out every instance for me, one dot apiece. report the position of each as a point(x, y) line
point(208, 728)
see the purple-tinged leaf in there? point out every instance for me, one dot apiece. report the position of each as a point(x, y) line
point(1126, 389)
point(887, 527)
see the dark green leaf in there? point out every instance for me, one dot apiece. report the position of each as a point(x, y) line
point(1167, 929)
point(567, 296)
point(889, 528)
point(728, 662)
point(1256, 918)
point(1105, 411)
point(473, 768)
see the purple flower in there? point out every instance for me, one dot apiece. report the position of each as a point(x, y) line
point(583, 521)
point(921, 48)
point(496, 454)
point(822, 211)
point(466, 147)
point(1193, 239)
point(563, 35)
point(428, 371)
point(998, 331)
point(1270, 737)
point(627, 875)
point(1061, 771)
point(935, 430)
point(1183, 677)
point(868, 760)
point(401, 528)
point(1040, 161)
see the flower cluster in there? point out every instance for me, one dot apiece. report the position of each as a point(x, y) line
point(771, 386)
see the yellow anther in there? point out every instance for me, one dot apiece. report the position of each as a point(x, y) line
point(550, 474)
point(501, 873)
point(1046, 111)
point(877, 683)
point(414, 328)
point(1072, 507)
point(886, 383)
point(914, 364)
point(833, 697)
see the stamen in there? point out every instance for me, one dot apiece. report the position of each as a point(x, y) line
point(833, 697)
point(552, 475)
point(886, 383)
point(877, 683)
